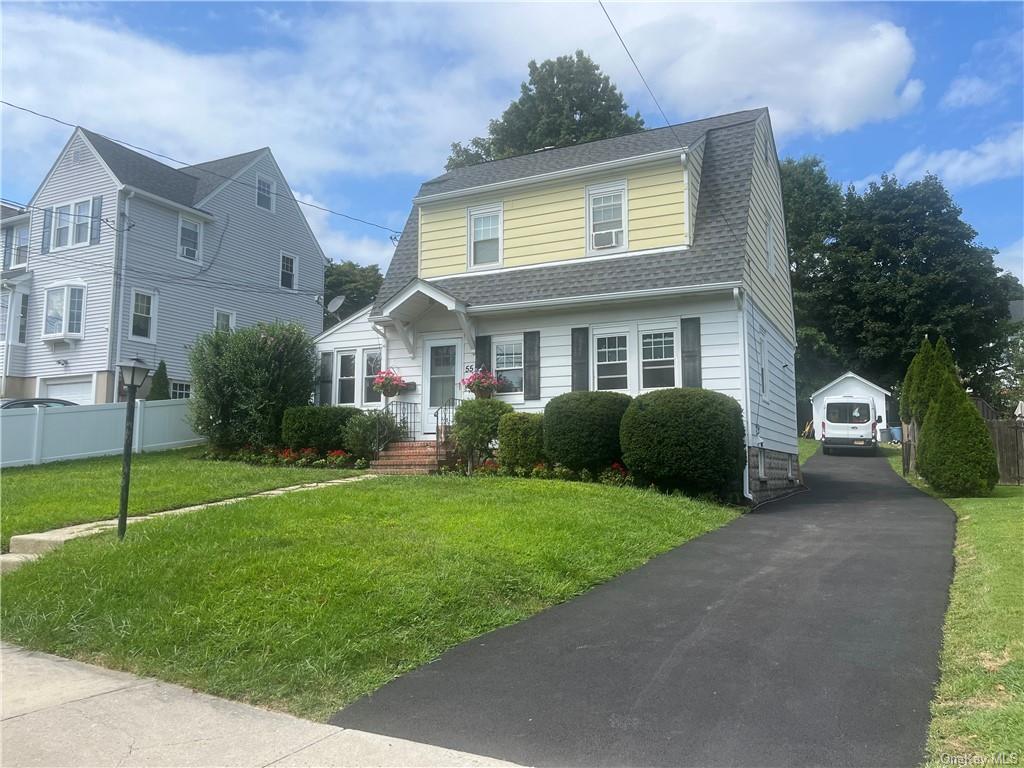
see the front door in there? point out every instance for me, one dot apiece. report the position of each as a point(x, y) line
point(440, 377)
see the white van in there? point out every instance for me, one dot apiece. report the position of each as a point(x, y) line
point(850, 422)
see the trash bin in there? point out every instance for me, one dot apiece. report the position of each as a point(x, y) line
point(896, 434)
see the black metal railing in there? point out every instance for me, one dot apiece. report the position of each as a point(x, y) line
point(443, 418)
point(396, 421)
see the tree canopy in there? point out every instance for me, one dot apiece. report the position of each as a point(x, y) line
point(566, 101)
point(875, 272)
point(358, 284)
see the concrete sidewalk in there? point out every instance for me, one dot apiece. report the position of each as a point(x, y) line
point(57, 712)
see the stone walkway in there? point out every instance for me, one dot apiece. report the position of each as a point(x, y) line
point(26, 547)
point(57, 712)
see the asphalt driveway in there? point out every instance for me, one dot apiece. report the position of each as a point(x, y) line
point(806, 633)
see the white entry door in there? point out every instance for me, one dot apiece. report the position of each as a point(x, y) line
point(441, 367)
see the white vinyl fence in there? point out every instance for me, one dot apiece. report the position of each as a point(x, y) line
point(37, 435)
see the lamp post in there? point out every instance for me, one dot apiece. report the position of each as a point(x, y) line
point(133, 374)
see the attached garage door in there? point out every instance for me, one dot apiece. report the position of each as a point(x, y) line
point(78, 390)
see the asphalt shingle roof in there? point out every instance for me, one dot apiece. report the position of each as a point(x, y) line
point(185, 186)
point(720, 230)
point(7, 211)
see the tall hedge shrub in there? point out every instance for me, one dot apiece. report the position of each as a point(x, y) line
point(920, 393)
point(685, 439)
point(521, 440)
point(581, 429)
point(955, 452)
point(244, 381)
point(316, 426)
point(475, 427)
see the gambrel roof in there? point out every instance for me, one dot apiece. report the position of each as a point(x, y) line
point(716, 254)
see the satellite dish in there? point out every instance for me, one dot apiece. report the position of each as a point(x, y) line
point(335, 304)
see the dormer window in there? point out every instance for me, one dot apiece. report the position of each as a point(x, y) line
point(606, 218)
point(485, 236)
point(265, 193)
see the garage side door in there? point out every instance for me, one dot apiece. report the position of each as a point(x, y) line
point(78, 390)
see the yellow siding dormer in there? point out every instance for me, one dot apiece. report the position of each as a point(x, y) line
point(547, 222)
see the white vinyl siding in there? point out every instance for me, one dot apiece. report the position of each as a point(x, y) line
point(771, 420)
point(485, 236)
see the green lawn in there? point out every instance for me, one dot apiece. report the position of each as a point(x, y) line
point(979, 705)
point(808, 448)
point(305, 601)
point(64, 493)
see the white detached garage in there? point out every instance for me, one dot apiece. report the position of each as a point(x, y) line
point(850, 384)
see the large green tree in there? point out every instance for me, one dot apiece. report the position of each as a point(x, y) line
point(358, 284)
point(566, 101)
point(875, 272)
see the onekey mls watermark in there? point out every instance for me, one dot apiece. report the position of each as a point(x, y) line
point(967, 758)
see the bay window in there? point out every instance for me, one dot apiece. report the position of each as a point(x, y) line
point(64, 311)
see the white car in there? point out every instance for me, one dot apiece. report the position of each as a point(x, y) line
point(851, 423)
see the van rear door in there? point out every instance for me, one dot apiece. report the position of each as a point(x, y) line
point(848, 419)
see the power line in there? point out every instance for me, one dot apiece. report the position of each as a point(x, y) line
point(183, 163)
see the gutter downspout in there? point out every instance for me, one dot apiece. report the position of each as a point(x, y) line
point(741, 318)
point(129, 194)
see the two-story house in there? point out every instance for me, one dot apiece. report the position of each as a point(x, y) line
point(656, 259)
point(118, 256)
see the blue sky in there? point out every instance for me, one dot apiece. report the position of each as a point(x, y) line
point(360, 102)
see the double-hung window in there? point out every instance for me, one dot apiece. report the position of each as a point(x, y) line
point(143, 312)
point(188, 239)
point(508, 365)
point(287, 271)
point(71, 224)
point(612, 361)
point(657, 359)
point(371, 367)
point(346, 378)
point(265, 193)
point(606, 218)
point(23, 319)
point(65, 311)
point(485, 236)
point(19, 246)
point(223, 321)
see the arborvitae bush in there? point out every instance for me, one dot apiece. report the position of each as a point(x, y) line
point(160, 386)
point(955, 452)
point(316, 426)
point(244, 381)
point(920, 396)
point(581, 429)
point(521, 440)
point(685, 439)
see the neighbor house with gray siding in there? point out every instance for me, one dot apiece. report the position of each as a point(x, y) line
point(652, 260)
point(118, 255)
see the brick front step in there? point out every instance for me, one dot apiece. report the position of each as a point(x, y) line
point(402, 471)
point(394, 463)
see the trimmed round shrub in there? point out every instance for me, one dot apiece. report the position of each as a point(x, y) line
point(581, 429)
point(316, 426)
point(367, 432)
point(521, 440)
point(685, 439)
point(475, 427)
point(955, 452)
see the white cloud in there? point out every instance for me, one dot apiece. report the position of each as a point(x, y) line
point(998, 157)
point(339, 245)
point(1011, 258)
point(378, 89)
point(969, 92)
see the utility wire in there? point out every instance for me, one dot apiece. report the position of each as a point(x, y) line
point(182, 163)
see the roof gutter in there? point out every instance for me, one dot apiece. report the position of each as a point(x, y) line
point(194, 212)
point(553, 175)
point(603, 297)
